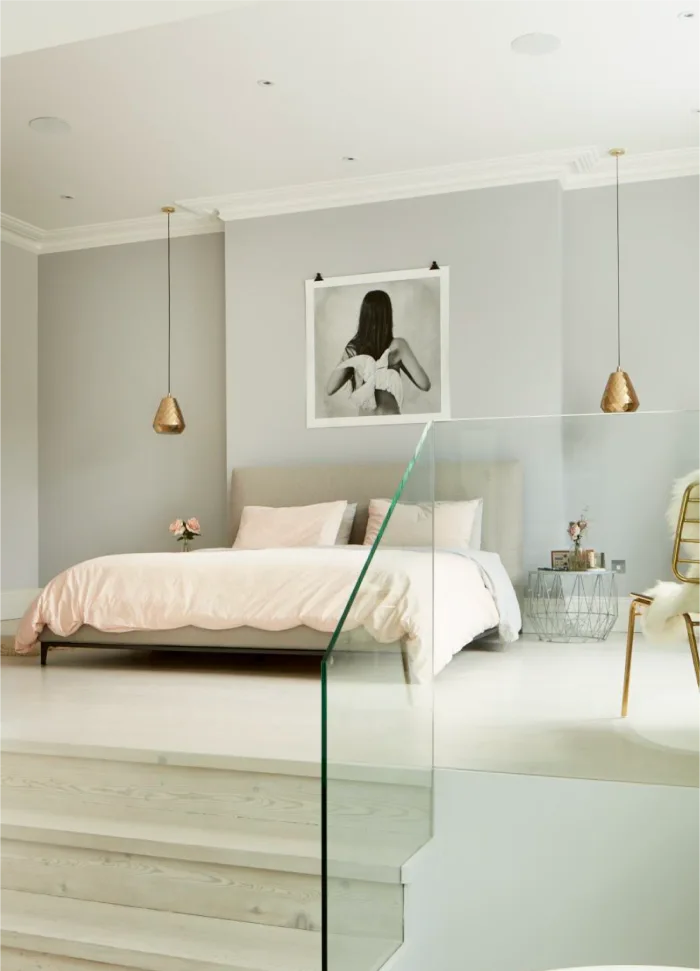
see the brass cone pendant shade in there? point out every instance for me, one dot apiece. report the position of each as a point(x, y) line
point(169, 420)
point(619, 395)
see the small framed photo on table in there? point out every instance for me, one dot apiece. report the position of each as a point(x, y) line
point(560, 559)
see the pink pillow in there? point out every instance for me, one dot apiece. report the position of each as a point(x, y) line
point(267, 527)
point(412, 523)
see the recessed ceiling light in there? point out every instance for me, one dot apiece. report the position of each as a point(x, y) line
point(349, 158)
point(686, 15)
point(47, 125)
point(66, 196)
point(264, 83)
point(536, 44)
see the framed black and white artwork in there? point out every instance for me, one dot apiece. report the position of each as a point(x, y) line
point(377, 348)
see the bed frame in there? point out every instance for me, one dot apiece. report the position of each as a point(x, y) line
point(499, 483)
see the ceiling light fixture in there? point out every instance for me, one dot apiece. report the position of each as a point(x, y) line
point(535, 44)
point(169, 420)
point(619, 395)
point(66, 196)
point(264, 83)
point(686, 15)
point(349, 158)
point(48, 125)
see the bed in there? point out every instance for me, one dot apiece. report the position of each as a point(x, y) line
point(500, 485)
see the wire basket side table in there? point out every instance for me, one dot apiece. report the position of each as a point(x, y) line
point(570, 606)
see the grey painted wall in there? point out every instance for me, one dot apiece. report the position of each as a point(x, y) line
point(621, 466)
point(20, 482)
point(107, 482)
point(531, 874)
point(660, 293)
point(504, 250)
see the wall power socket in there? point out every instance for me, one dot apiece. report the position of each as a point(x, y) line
point(618, 566)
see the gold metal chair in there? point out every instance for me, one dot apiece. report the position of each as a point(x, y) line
point(681, 565)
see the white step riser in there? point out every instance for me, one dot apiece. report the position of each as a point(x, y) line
point(204, 889)
point(215, 798)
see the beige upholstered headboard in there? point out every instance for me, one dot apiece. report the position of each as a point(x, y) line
point(500, 484)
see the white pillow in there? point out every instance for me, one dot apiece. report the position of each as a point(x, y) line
point(268, 527)
point(457, 524)
point(343, 537)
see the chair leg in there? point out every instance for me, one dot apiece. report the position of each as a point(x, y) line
point(692, 640)
point(628, 657)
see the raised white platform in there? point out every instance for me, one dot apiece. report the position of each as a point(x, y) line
point(162, 860)
point(534, 708)
point(187, 788)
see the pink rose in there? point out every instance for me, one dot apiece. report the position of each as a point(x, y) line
point(177, 528)
point(193, 526)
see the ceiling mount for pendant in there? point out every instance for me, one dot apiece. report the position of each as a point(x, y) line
point(619, 395)
point(169, 420)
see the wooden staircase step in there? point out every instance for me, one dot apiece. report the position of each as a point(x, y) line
point(150, 940)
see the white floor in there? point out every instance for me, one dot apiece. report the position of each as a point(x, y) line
point(531, 708)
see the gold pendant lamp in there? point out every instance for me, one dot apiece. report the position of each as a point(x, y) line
point(619, 395)
point(169, 420)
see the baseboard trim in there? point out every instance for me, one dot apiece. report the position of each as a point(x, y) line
point(15, 602)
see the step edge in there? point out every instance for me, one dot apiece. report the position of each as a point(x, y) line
point(256, 859)
point(270, 936)
point(350, 772)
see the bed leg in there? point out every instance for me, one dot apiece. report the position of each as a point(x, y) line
point(406, 665)
point(44, 653)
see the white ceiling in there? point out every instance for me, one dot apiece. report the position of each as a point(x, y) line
point(173, 111)
point(30, 25)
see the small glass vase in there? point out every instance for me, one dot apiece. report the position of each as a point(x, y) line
point(185, 545)
point(578, 559)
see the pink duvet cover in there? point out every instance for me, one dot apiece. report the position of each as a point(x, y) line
point(275, 590)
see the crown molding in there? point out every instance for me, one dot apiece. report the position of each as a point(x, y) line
point(20, 234)
point(579, 168)
point(129, 231)
point(105, 234)
point(647, 167)
point(519, 169)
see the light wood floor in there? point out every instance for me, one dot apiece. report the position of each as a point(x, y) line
point(546, 709)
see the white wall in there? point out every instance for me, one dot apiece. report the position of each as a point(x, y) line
point(19, 431)
point(504, 250)
point(532, 874)
point(108, 483)
point(659, 293)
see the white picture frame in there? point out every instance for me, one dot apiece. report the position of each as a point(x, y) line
point(419, 311)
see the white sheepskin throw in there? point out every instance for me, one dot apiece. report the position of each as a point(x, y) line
point(663, 620)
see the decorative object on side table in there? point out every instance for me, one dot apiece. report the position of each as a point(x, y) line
point(185, 530)
point(578, 557)
point(571, 606)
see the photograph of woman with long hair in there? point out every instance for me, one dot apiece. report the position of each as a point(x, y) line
point(374, 361)
point(377, 348)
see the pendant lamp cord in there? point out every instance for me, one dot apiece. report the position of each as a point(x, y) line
point(617, 197)
point(169, 304)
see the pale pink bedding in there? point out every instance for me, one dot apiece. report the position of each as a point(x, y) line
point(275, 590)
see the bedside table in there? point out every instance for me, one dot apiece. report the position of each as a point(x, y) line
point(571, 606)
